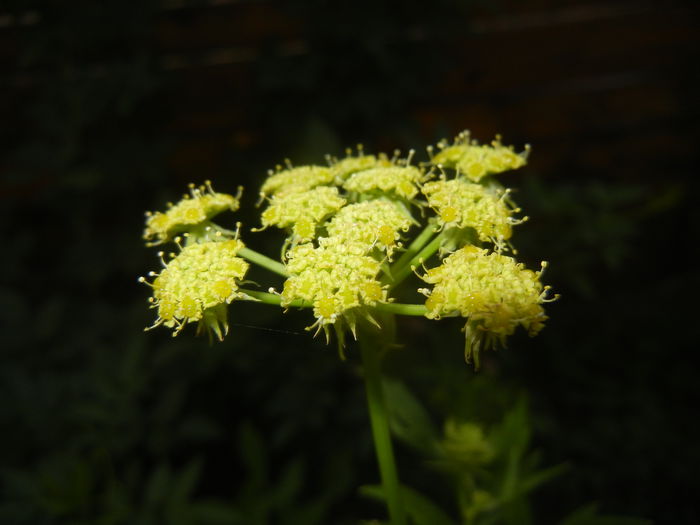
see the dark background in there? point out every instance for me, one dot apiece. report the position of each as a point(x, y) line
point(111, 108)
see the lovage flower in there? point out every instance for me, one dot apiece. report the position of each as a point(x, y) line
point(373, 223)
point(337, 278)
point(397, 180)
point(494, 292)
point(476, 161)
point(197, 284)
point(466, 204)
point(295, 180)
point(302, 211)
point(199, 206)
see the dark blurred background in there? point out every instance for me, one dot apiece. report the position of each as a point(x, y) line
point(111, 108)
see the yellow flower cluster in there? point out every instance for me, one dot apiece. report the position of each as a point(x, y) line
point(200, 205)
point(493, 291)
point(352, 164)
point(335, 277)
point(200, 278)
point(397, 180)
point(295, 180)
point(371, 223)
point(302, 211)
point(466, 204)
point(476, 161)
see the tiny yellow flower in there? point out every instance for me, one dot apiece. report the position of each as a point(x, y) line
point(336, 277)
point(302, 211)
point(196, 283)
point(476, 161)
point(466, 204)
point(351, 164)
point(199, 206)
point(296, 180)
point(371, 223)
point(494, 292)
point(398, 180)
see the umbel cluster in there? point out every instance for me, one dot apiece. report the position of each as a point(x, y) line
point(356, 228)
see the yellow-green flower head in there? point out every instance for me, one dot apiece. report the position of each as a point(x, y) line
point(199, 206)
point(296, 180)
point(475, 160)
point(371, 223)
point(493, 291)
point(302, 211)
point(336, 277)
point(353, 163)
point(195, 282)
point(399, 180)
point(466, 204)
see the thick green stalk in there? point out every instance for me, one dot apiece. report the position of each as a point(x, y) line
point(372, 342)
point(264, 261)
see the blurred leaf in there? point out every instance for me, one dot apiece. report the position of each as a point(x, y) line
point(588, 515)
point(418, 507)
point(409, 421)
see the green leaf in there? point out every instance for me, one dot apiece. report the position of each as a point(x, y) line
point(420, 509)
point(409, 421)
point(588, 515)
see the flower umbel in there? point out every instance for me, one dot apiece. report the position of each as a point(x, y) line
point(196, 283)
point(200, 205)
point(336, 277)
point(468, 205)
point(476, 161)
point(494, 292)
point(345, 224)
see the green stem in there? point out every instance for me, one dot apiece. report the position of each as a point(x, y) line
point(370, 347)
point(404, 271)
point(412, 249)
point(417, 310)
point(271, 298)
point(264, 261)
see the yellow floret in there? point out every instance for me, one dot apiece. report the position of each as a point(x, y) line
point(196, 282)
point(371, 223)
point(351, 164)
point(296, 180)
point(399, 180)
point(494, 292)
point(465, 204)
point(302, 211)
point(475, 160)
point(200, 205)
point(336, 277)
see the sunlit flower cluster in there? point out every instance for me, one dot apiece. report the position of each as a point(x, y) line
point(371, 223)
point(401, 181)
point(302, 211)
point(347, 244)
point(200, 205)
point(195, 282)
point(468, 205)
point(295, 180)
point(492, 291)
point(476, 161)
point(335, 277)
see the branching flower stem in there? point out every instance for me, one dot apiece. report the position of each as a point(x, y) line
point(416, 246)
point(417, 310)
point(264, 261)
point(423, 254)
